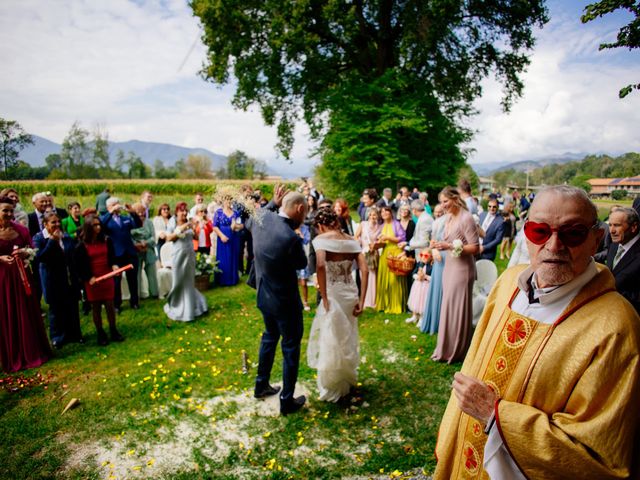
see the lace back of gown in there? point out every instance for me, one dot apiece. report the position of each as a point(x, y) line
point(333, 341)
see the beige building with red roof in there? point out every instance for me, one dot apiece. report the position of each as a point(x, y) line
point(602, 187)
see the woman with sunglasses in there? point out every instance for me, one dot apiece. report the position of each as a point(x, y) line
point(94, 257)
point(162, 224)
point(455, 331)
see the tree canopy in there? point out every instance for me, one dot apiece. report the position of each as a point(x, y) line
point(13, 139)
point(575, 173)
point(628, 36)
point(296, 60)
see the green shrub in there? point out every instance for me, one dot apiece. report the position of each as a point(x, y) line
point(619, 194)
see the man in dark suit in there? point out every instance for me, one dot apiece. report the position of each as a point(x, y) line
point(623, 258)
point(278, 253)
point(42, 202)
point(492, 225)
point(59, 281)
point(119, 227)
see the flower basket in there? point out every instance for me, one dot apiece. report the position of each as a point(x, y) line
point(401, 265)
point(202, 283)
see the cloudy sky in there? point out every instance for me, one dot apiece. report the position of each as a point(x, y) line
point(131, 67)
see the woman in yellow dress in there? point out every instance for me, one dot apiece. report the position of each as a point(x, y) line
point(391, 290)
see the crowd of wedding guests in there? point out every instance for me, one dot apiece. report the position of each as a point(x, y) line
point(446, 241)
point(69, 258)
point(65, 257)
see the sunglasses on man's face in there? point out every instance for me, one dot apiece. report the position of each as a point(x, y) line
point(569, 235)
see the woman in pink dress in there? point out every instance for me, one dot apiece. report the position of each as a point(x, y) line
point(23, 340)
point(455, 331)
point(94, 257)
point(367, 234)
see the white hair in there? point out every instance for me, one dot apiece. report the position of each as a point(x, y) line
point(37, 196)
point(112, 201)
point(574, 193)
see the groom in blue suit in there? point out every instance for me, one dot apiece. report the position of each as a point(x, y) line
point(278, 253)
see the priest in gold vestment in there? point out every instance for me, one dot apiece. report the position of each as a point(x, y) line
point(550, 387)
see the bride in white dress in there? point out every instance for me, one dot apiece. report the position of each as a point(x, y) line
point(333, 348)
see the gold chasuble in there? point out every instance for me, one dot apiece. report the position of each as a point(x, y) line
point(569, 391)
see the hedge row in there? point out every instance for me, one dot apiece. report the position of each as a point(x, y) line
point(83, 188)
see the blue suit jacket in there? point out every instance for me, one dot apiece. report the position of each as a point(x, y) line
point(121, 234)
point(278, 253)
point(493, 236)
point(57, 272)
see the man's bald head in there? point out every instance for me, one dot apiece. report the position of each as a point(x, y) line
point(571, 194)
point(294, 206)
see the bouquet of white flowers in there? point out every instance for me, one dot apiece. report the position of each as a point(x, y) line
point(457, 247)
point(206, 264)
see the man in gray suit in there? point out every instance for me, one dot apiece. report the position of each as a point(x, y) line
point(278, 253)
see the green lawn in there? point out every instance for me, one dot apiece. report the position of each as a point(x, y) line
point(172, 401)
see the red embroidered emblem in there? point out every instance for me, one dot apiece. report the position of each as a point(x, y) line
point(471, 463)
point(516, 331)
point(501, 364)
point(476, 429)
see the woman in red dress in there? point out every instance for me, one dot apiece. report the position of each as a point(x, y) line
point(23, 340)
point(94, 257)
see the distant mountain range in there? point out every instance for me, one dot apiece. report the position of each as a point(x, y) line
point(149, 152)
point(488, 169)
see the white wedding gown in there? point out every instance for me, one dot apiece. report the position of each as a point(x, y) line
point(333, 348)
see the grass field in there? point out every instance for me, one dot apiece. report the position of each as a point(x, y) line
point(172, 401)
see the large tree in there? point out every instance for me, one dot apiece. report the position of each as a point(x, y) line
point(76, 154)
point(628, 36)
point(14, 139)
point(294, 59)
point(242, 166)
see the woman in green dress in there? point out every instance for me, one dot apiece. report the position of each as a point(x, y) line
point(73, 223)
point(391, 290)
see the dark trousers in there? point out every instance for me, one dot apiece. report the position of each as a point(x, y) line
point(290, 327)
point(132, 279)
point(246, 241)
point(64, 317)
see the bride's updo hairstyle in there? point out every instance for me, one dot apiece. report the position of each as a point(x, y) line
point(325, 216)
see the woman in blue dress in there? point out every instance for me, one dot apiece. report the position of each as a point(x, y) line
point(431, 312)
point(226, 224)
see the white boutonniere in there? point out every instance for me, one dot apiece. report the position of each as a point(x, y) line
point(456, 247)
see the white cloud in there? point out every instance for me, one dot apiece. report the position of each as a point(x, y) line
point(120, 64)
point(570, 102)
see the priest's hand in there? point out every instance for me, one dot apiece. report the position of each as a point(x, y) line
point(475, 398)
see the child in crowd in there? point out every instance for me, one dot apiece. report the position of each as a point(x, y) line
point(420, 287)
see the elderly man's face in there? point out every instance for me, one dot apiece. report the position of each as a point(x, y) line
point(621, 231)
point(554, 262)
point(42, 203)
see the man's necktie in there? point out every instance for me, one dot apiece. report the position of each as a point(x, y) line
point(619, 253)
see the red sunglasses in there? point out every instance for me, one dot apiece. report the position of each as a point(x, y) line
point(569, 235)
